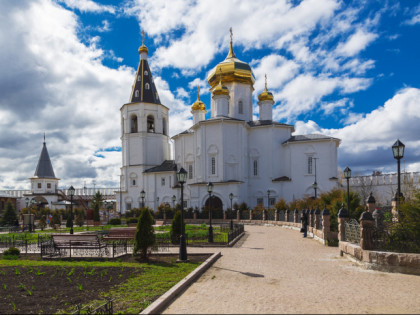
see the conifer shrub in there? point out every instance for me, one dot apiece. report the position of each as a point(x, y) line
point(42, 223)
point(145, 237)
point(176, 226)
point(115, 221)
point(9, 216)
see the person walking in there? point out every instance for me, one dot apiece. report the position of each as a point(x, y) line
point(304, 219)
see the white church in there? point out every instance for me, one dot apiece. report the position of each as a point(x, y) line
point(258, 161)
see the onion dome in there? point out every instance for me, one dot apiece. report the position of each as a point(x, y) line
point(265, 95)
point(198, 104)
point(232, 69)
point(143, 48)
point(220, 89)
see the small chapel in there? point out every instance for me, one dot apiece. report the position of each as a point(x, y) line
point(257, 161)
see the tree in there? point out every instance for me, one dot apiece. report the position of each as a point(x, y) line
point(281, 205)
point(55, 220)
point(176, 228)
point(145, 237)
point(9, 215)
point(80, 218)
point(96, 205)
point(42, 223)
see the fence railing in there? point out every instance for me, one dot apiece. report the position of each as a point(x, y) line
point(352, 231)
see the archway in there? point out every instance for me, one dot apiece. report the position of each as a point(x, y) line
point(216, 207)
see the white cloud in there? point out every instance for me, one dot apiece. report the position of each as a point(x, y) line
point(88, 6)
point(415, 16)
point(330, 107)
point(356, 43)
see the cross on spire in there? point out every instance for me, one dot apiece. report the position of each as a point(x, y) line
point(198, 92)
point(44, 136)
point(231, 34)
point(266, 81)
point(143, 35)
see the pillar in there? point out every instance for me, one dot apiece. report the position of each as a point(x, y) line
point(311, 217)
point(316, 214)
point(238, 215)
point(343, 217)
point(264, 215)
point(325, 224)
point(296, 216)
point(366, 230)
point(286, 218)
point(276, 215)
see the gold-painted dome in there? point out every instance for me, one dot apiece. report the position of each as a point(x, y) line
point(266, 95)
point(143, 48)
point(220, 89)
point(232, 69)
point(198, 104)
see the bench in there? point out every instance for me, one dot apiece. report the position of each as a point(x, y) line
point(117, 234)
point(71, 242)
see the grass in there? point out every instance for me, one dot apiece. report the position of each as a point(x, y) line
point(133, 295)
point(196, 233)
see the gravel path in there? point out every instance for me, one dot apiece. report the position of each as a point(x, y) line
point(274, 270)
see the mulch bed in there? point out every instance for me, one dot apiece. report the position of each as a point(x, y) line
point(48, 289)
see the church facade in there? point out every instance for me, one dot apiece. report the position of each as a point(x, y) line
point(258, 161)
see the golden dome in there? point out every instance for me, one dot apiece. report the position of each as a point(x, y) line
point(220, 89)
point(143, 48)
point(232, 69)
point(198, 104)
point(266, 95)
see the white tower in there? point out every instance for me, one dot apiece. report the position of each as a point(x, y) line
point(144, 134)
point(266, 102)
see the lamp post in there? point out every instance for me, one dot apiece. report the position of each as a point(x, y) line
point(110, 205)
point(268, 199)
point(347, 175)
point(182, 177)
point(398, 151)
point(30, 215)
point(71, 192)
point(157, 202)
point(173, 201)
point(315, 184)
point(142, 195)
point(231, 211)
point(210, 190)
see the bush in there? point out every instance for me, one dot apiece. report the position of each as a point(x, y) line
point(115, 221)
point(9, 215)
point(145, 237)
point(11, 253)
point(132, 220)
point(42, 223)
point(176, 226)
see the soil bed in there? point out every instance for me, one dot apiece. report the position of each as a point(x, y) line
point(48, 289)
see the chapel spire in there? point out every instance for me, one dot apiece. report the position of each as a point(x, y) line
point(144, 89)
point(231, 54)
point(44, 168)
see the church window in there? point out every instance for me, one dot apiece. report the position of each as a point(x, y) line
point(150, 123)
point(146, 73)
point(260, 201)
point(39, 185)
point(213, 165)
point(190, 171)
point(139, 78)
point(240, 107)
point(136, 94)
point(147, 86)
point(134, 125)
point(271, 201)
point(133, 182)
point(310, 164)
point(128, 206)
point(48, 185)
point(162, 181)
point(255, 167)
point(164, 126)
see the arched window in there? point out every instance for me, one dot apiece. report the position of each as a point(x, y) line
point(164, 126)
point(133, 124)
point(150, 123)
point(255, 171)
point(139, 78)
point(147, 86)
point(240, 107)
point(146, 73)
point(136, 94)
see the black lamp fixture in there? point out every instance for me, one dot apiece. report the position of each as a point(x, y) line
point(182, 178)
point(347, 176)
point(71, 193)
point(398, 151)
point(210, 190)
point(231, 210)
point(142, 195)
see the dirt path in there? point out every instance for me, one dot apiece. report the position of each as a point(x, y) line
point(275, 270)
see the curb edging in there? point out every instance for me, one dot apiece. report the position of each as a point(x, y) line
point(164, 300)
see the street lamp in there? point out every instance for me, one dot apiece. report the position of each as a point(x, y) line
point(398, 151)
point(315, 184)
point(210, 190)
point(71, 192)
point(347, 175)
point(268, 199)
point(231, 211)
point(182, 178)
point(173, 201)
point(110, 205)
point(142, 195)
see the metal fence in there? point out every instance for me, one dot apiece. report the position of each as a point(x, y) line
point(352, 231)
point(270, 214)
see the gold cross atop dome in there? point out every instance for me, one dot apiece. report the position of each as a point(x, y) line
point(143, 48)
point(231, 54)
point(198, 104)
point(266, 95)
point(265, 82)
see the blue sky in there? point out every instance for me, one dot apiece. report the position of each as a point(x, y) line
point(349, 69)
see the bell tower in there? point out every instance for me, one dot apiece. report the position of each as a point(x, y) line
point(144, 133)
